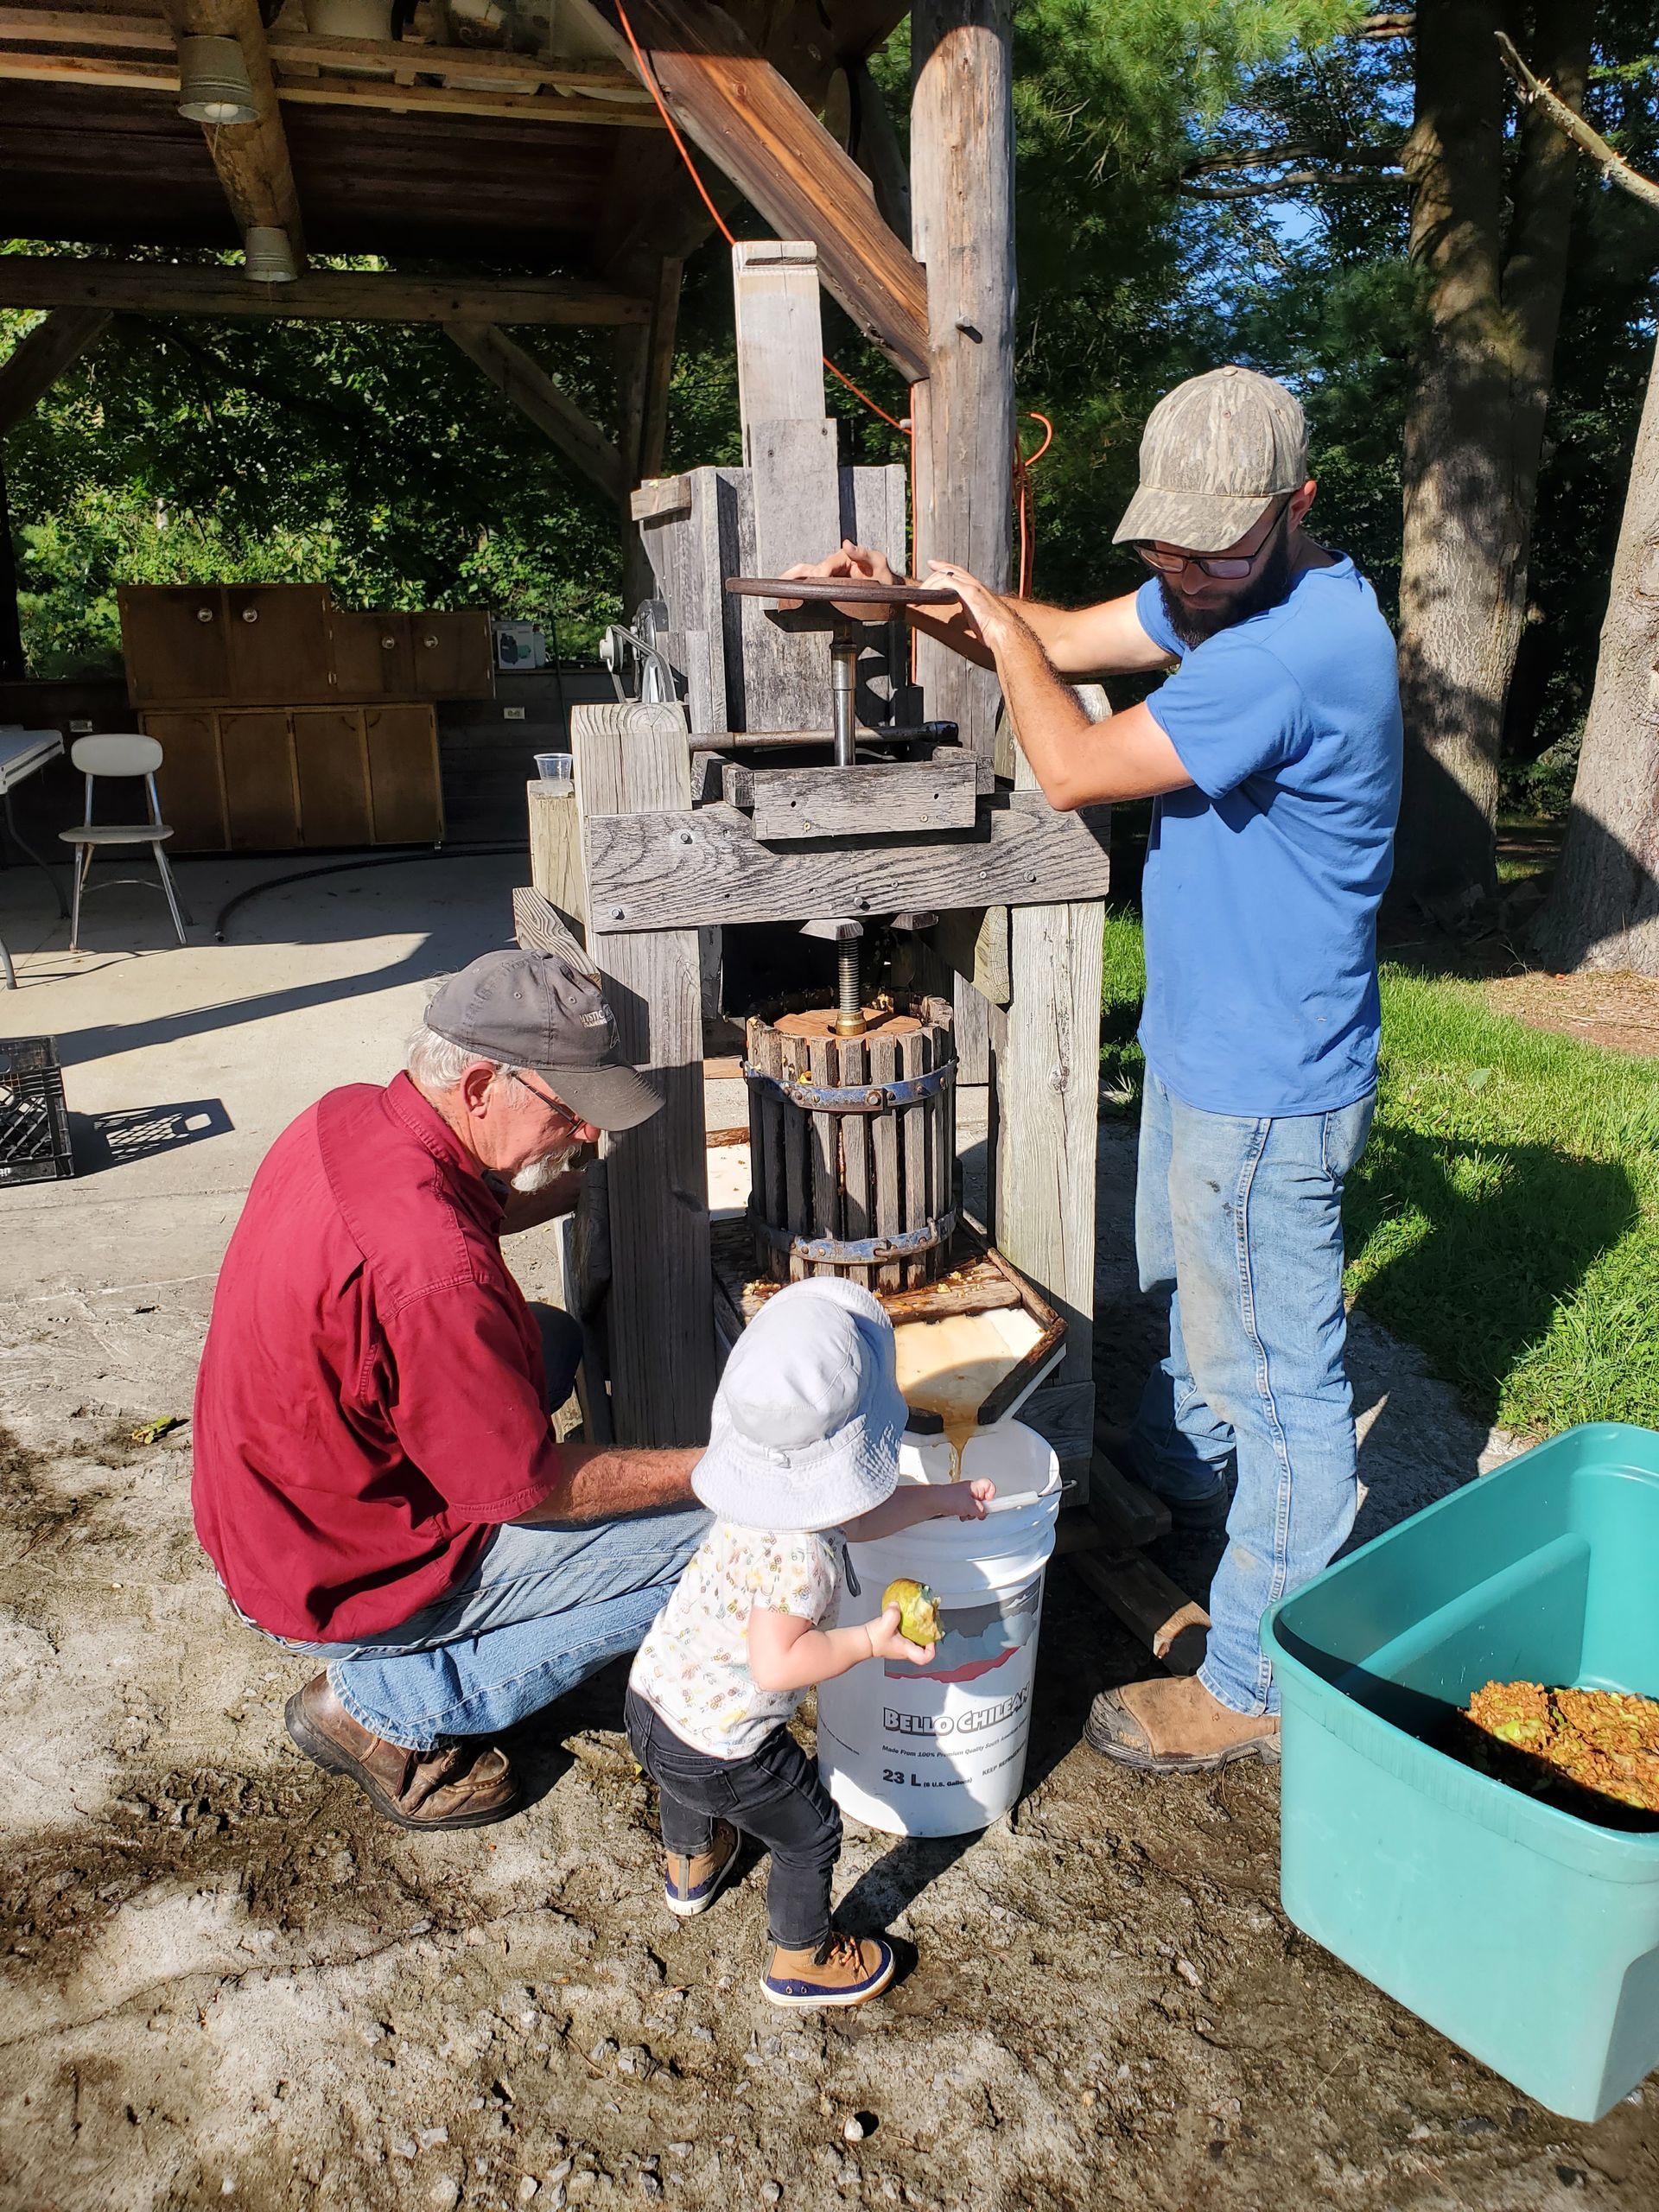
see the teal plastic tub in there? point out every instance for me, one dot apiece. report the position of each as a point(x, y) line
point(1527, 1935)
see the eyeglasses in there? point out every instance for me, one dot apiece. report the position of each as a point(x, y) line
point(555, 1105)
point(1222, 566)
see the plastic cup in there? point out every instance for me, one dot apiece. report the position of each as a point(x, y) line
point(555, 768)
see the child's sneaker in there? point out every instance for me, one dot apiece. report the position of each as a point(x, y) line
point(690, 1886)
point(842, 1970)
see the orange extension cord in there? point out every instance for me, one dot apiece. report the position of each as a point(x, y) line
point(1023, 464)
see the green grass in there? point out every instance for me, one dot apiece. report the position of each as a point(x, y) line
point(1505, 1216)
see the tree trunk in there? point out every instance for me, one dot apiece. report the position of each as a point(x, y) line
point(1603, 908)
point(1474, 432)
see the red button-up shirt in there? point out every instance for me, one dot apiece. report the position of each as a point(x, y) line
point(371, 1400)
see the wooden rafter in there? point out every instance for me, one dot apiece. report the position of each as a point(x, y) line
point(38, 361)
point(455, 65)
point(321, 295)
point(744, 115)
point(252, 158)
point(534, 393)
point(462, 80)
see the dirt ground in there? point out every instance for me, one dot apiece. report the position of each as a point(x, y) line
point(222, 1977)
point(1619, 1011)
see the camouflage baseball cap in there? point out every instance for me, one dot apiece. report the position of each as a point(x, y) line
point(1215, 453)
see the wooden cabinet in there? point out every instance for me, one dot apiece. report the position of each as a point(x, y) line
point(282, 779)
point(243, 645)
point(373, 658)
point(403, 745)
point(174, 638)
point(262, 795)
point(189, 783)
point(332, 765)
point(279, 646)
point(453, 655)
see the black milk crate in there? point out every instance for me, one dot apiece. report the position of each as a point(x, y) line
point(33, 1120)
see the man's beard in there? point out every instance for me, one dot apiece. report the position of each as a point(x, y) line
point(548, 1169)
point(1192, 625)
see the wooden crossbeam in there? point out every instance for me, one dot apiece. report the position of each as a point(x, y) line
point(456, 65)
point(37, 362)
point(657, 872)
point(743, 114)
point(320, 295)
point(539, 96)
point(251, 158)
point(530, 105)
point(534, 393)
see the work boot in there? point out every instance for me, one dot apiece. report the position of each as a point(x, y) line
point(692, 1884)
point(842, 1970)
point(1171, 1724)
point(461, 1784)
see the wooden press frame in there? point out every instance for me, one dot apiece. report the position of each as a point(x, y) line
point(651, 855)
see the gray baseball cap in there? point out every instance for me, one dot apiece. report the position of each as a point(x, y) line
point(533, 1010)
point(1217, 452)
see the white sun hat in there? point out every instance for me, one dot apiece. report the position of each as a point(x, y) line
point(806, 1422)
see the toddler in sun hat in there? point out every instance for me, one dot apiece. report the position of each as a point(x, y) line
point(803, 1457)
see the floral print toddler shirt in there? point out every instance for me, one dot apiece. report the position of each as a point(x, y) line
point(694, 1664)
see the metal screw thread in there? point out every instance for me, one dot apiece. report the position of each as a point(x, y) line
point(849, 1011)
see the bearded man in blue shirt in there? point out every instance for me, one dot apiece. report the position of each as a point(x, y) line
point(1272, 755)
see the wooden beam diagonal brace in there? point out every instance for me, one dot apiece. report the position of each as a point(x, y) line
point(533, 392)
point(40, 359)
point(251, 158)
point(746, 118)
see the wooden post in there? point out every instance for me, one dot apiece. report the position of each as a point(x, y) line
point(789, 448)
point(252, 158)
point(12, 670)
point(1047, 1088)
point(644, 361)
point(962, 187)
point(631, 759)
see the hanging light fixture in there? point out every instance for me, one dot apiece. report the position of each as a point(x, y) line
point(214, 85)
point(267, 257)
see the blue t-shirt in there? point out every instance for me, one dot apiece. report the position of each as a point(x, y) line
point(1263, 878)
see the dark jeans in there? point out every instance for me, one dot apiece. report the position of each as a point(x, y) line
point(774, 1796)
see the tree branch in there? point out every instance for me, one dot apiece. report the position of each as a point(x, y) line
point(1400, 22)
point(1312, 149)
point(1534, 92)
point(1291, 178)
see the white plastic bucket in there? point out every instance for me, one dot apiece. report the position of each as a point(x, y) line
point(942, 1751)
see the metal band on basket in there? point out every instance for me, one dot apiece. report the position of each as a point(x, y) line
point(865, 1098)
point(862, 1251)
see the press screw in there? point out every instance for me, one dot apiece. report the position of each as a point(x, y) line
point(617, 914)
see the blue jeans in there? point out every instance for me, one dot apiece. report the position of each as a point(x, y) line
point(539, 1611)
point(1238, 1224)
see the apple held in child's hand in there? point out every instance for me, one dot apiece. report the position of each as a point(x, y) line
point(919, 1609)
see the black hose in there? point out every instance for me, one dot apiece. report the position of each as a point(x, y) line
point(345, 867)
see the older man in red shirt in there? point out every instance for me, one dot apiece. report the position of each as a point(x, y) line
point(376, 1478)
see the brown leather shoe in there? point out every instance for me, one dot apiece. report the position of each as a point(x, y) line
point(842, 1970)
point(463, 1785)
point(1171, 1725)
point(692, 1884)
